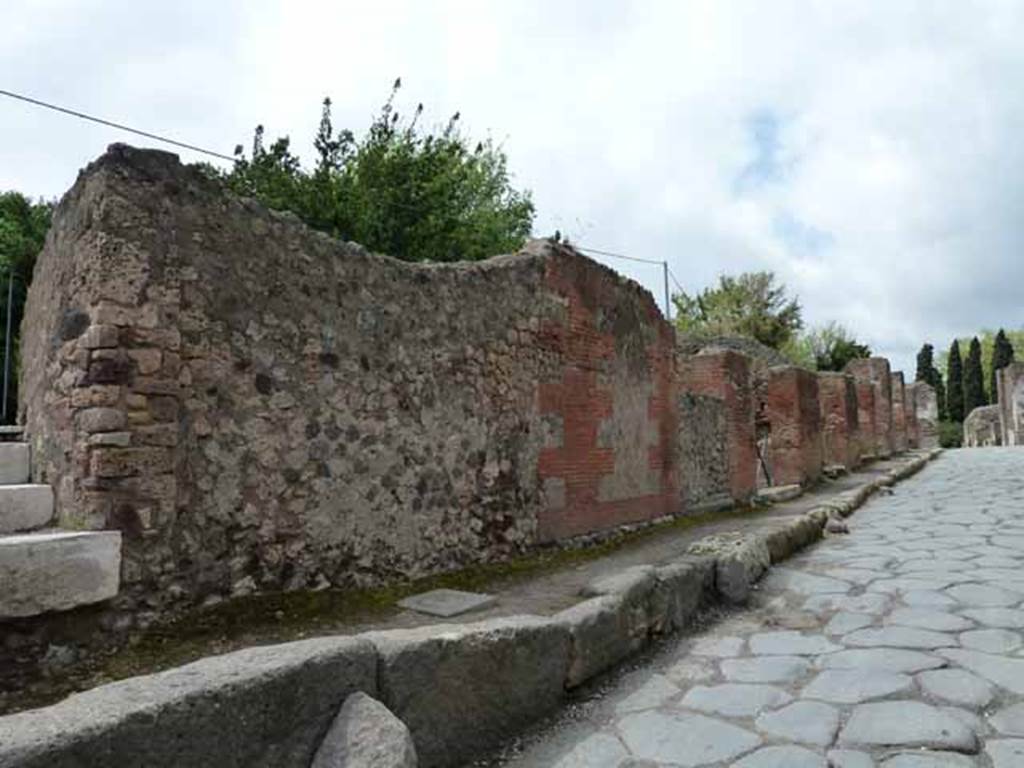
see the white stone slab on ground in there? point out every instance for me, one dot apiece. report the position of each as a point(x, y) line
point(57, 570)
point(25, 507)
point(446, 602)
point(14, 463)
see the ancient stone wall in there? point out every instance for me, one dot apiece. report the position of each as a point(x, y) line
point(926, 408)
point(876, 371)
point(910, 415)
point(257, 406)
point(866, 419)
point(703, 453)
point(982, 428)
point(899, 418)
point(837, 394)
point(1010, 385)
point(726, 376)
point(792, 408)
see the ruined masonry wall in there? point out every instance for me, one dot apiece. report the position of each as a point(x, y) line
point(257, 406)
point(726, 376)
point(1010, 385)
point(792, 406)
point(840, 422)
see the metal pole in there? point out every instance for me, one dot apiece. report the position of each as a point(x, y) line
point(664, 272)
point(7, 343)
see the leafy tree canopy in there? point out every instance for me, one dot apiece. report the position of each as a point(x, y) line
point(751, 304)
point(400, 189)
point(23, 227)
point(928, 373)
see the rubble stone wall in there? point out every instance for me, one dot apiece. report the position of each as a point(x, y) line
point(257, 406)
point(1010, 385)
point(926, 407)
point(982, 428)
point(703, 453)
point(726, 376)
point(899, 414)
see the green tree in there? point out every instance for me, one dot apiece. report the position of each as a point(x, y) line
point(415, 194)
point(833, 346)
point(974, 380)
point(23, 227)
point(928, 373)
point(1002, 356)
point(955, 384)
point(752, 305)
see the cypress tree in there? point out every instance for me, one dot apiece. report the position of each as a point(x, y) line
point(928, 373)
point(955, 384)
point(1002, 356)
point(974, 379)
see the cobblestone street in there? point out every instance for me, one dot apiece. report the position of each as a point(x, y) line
point(899, 645)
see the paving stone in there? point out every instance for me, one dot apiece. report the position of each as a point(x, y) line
point(807, 722)
point(782, 757)
point(849, 758)
point(907, 724)
point(718, 646)
point(601, 750)
point(1005, 672)
point(787, 643)
point(789, 580)
point(956, 686)
point(1010, 720)
point(1005, 753)
point(938, 621)
point(690, 671)
point(684, 740)
point(651, 694)
point(929, 760)
point(926, 598)
point(765, 669)
point(882, 659)
point(983, 596)
point(853, 686)
point(446, 602)
point(843, 623)
point(899, 637)
point(991, 640)
point(735, 699)
point(1004, 618)
point(873, 604)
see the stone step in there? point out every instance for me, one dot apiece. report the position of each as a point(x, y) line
point(55, 570)
point(14, 463)
point(25, 507)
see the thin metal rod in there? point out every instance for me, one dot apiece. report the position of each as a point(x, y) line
point(664, 269)
point(7, 343)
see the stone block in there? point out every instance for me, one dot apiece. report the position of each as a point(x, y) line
point(25, 507)
point(55, 571)
point(365, 734)
point(777, 494)
point(146, 360)
point(793, 535)
point(265, 707)
point(446, 602)
point(874, 373)
point(681, 589)
point(462, 689)
point(126, 462)
point(100, 336)
point(101, 420)
point(600, 637)
point(837, 395)
point(15, 466)
point(739, 562)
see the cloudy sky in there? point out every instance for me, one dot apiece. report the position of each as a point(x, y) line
point(870, 153)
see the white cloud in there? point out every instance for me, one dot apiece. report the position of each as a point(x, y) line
point(895, 209)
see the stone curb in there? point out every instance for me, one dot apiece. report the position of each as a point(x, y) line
point(460, 689)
